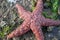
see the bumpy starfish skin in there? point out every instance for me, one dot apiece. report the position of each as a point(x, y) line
point(33, 20)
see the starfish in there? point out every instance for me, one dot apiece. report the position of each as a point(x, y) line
point(32, 20)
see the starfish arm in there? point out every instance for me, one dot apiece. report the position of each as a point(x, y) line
point(23, 28)
point(39, 7)
point(51, 22)
point(37, 31)
point(22, 12)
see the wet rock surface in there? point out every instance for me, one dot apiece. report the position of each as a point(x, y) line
point(53, 34)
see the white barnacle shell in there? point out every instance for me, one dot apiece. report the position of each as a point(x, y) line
point(12, 1)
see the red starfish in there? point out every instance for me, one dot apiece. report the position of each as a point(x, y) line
point(33, 20)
